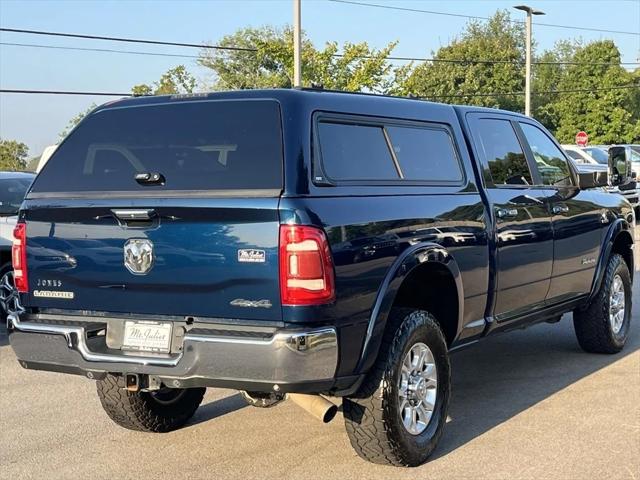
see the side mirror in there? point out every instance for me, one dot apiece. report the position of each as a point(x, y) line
point(596, 179)
point(619, 166)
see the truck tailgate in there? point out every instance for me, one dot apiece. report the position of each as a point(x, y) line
point(212, 260)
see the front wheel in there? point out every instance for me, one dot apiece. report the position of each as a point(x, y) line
point(603, 327)
point(157, 411)
point(397, 416)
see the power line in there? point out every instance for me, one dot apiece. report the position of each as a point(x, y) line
point(425, 97)
point(129, 40)
point(389, 57)
point(475, 17)
point(103, 50)
point(339, 55)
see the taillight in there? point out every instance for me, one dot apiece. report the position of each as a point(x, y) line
point(306, 268)
point(19, 257)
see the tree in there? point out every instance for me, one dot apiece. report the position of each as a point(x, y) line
point(75, 121)
point(266, 61)
point(600, 105)
point(498, 39)
point(174, 81)
point(13, 155)
point(550, 69)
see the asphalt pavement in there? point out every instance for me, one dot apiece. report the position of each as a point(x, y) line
point(526, 405)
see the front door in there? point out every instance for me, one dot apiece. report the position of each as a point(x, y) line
point(578, 222)
point(523, 234)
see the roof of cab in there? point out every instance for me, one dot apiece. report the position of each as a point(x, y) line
point(275, 93)
point(315, 95)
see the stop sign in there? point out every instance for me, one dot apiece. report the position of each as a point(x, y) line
point(582, 139)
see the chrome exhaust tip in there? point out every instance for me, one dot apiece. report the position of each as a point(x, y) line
point(316, 405)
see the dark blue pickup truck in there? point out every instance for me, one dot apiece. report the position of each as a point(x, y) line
point(304, 243)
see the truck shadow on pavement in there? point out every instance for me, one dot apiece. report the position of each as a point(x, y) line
point(218, 408)
point(507, 374)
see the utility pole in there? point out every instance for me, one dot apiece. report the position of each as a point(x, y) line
point(527, 81)
point(297, 45)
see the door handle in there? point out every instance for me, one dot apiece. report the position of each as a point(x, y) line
point(507, 212)
point(560, 208)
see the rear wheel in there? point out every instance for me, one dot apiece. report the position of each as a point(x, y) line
point(158, 411)
point(397, 416)
point(603, 327)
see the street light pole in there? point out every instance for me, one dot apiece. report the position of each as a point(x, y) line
point(297, 41)
point(527, 80)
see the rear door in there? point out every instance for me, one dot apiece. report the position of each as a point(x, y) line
point(168, 208)
point(523, 236)
point(578, 221)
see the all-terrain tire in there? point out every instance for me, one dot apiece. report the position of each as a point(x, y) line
point(372, 417)
point(592, 325)
point(146, 411)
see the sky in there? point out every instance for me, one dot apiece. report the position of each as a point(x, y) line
point(37, 120)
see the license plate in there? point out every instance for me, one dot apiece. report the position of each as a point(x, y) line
point(147, 336)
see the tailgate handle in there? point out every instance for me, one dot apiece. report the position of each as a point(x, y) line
point(134, 215)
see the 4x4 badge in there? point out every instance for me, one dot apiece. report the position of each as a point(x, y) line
point(138, 255)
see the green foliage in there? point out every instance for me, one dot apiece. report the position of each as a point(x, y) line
point(174, 81)
point(358, 67)
point(498, 39)
point(607, 114)
point(13, 155)
point(75, 121)
point(547, 74)
point(32, 163)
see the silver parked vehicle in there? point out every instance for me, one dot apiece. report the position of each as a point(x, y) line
point(596, 159)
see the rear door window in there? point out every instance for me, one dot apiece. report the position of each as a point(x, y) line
point(195, 145)
point(503, 152)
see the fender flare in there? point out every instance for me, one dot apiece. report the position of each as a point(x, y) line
point(401, 268)
point(619, 227)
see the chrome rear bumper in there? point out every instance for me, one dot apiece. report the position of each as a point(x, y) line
point(205, 356)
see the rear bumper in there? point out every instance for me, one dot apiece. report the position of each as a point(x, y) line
point(281, 359)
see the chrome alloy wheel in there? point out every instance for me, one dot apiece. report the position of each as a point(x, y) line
point(9, 296)
point(417, 389)
point(617, 304)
